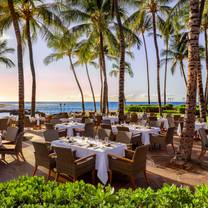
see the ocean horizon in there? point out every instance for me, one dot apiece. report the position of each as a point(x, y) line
point(51, 107)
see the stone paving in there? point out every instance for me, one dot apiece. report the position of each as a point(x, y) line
point(159, 168)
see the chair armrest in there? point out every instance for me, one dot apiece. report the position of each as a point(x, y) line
point(84, 158)
point(122, 159)
point(129, 154)
point(129, 146)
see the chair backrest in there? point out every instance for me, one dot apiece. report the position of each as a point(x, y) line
point(203, 136)
point(169, 135)
point(134, 117)
point(139, 157)
point(122, 128)
point(65, 159)
point(124, 137)
point(18, 142)
point(98, 119)
point(51, 135)
point(105, 126)
point(11, 134)
point(90, 130)
point(55, 121)
point(49, 126)
point(103, 133)
point(4, 123)
point(41, 153)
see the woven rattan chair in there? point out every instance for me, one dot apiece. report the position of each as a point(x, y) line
point(103, 133)
point(132, 164)
point(51, 135)
point(204, 142)
point(49, 126)
point(163, 139)
point(13, 149)
point(43, 157)
point(124, 137)
point(10, 135)
point(4, 122)
point(67, 164)
point(134, 118)
point(122, 128)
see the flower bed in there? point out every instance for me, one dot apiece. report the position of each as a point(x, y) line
point(36, 192)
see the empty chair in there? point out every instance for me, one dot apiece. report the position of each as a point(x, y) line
point(67, 164)
point(98, 120)
point(204, 141)
point(103, 133)
point(163, 139)
point(106, 126)
point(132, 164)
point(134, 118)
point(124, 137)
point(11, 134)
point(13, 149)
point(51, 135)
point(55, 121)
point(4, 124)
point(49, 126)
point(89, 130)
point(122, 128)
point(43, 157)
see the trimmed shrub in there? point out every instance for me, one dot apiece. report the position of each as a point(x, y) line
point(36, 192)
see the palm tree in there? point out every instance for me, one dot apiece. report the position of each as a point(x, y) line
point(186, 142)
point(93, 18)
point(140, 23)
point(20, 64)
point(33, 15)
point(86, 57)
point(155, 9)
point(176, 54)
point(4, 50)
point(121, 98)
point(64, 45)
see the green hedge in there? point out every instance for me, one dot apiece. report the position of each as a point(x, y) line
point(36, 192)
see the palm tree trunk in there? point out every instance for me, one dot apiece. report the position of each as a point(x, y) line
point(78, 84)
point(186, 142)
point(122, 63)
point(20, 65)
point(105, 89)
point(93, 94)
point(202, 107)
point(101, 83)
point(166, 69)
point(32, 67)
point(147, 66)
point(158, 63)
point(183, 72)
point(206, 53)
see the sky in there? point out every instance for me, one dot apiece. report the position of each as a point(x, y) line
point(55, 82)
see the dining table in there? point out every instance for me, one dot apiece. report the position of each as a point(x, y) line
point(137, 129)
point(84, 146)
point(70, 127)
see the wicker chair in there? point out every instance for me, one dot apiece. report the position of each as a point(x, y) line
point(204, 142)
point(134, 118)
point(88, 131)
point(4, 122)
point(106, 126)
point(122, 128)
point(10, 135)
point(103, 133)
point(55, 121)
point(49, 126)
point(67, 164)
point(13, 149)
point(98, 120)
point(163, 139)
point(43, 157)
point(51, 135)
point(132, 164)
point(124, 137)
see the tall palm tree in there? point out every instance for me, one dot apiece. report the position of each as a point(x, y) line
point(20, 64)
point(4, 50)
point(64, 45)
point(33, 15)
point(93, 18)
point(155, 9)
point(186, 142)
point(140, 23)
point(176, 54)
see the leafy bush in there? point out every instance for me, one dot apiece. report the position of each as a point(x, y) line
point(36, 192)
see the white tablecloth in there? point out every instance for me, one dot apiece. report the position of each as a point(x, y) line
point(113, 119)
point(101, 163)
point(70, 127)
point(70, 119)
point(165, 121)
point(144, 131)
point(197, 127)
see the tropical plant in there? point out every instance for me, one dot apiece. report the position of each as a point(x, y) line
point(64, 45)
point(4, 50)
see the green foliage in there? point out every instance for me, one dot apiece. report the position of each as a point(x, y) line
point(36, 192)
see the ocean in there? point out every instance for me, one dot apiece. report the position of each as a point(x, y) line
point(57, 107)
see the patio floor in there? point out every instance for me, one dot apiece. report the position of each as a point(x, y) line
point(159, 168)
